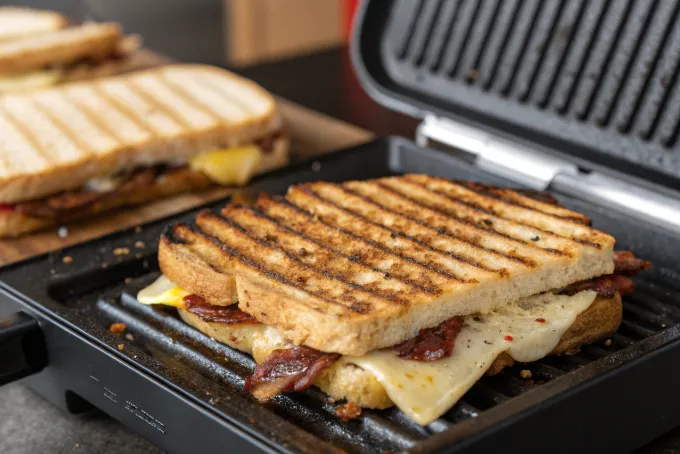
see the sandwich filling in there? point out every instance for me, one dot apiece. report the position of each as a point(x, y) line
point(230, 166)
point(426, 375)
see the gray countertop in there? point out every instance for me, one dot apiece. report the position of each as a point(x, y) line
point(28, 423)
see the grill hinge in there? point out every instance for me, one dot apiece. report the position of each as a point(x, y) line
point(541, 171)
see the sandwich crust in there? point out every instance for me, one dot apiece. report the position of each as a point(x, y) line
point(58, 138)
point(34, 52)
point(13, 223)
point(348, 382)
point(17, 22)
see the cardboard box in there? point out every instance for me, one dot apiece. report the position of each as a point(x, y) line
point(261, 30)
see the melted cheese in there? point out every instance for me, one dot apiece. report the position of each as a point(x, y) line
point(31, 81)
point(427, 390)
point(527, 330)
point(232, 166)
point(163, 291)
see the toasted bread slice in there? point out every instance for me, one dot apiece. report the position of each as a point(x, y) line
point(13, 223)
point(355, 267)
point(350, 382)
point(18, 22)
point(58, 47)
point(56, 139)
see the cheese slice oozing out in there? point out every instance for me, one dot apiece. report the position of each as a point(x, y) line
point(230, 166)
point(254, 339)
point(527, 330)
point(163, 291)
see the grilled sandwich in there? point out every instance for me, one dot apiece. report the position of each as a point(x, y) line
point(40, 49)
point(401, 290)
point(79, 149)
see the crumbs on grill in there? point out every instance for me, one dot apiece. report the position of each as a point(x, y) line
point(607, 343)
point(121, 346)
point(121, 251)
point(67, 259)
point(348, 411)
point(525, 373)
point(139, 244)
point(117, 328)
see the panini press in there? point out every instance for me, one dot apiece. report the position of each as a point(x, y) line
point(579, 98)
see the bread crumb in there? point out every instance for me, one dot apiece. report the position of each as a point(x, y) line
point(348, 411)
point(117, 328)
point(121, 346)
point(121, 251)
point(127, 280)
point(138, 229)
point(251, 420)
point(607, 343)
point(663, 325)
point(67, 259)
point(139, 244)
point(62, 232)
point(525, 373)
point(473, 74)
point(129, 337)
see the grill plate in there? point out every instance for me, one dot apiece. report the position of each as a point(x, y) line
point(596, 80)
point(179, 364)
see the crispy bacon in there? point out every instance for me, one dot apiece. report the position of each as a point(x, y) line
point(603, 286)
point(625, 263)
point(77, 203)
point(218, 314)
point(288, 369)
point(432, 344)
point(72, 204)
point(623, 284)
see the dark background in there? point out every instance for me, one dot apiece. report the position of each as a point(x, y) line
point(188, 30)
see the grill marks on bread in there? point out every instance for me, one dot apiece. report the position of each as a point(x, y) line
point(56, 139)
point(540, 217)
point(366, 264)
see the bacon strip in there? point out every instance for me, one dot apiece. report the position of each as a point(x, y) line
point(288, 369)
point(432, 344)
point(623, 284)
point(627, 264)
point(603, 286)
point(218, 314)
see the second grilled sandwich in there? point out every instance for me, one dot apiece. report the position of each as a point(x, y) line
point(80, 149)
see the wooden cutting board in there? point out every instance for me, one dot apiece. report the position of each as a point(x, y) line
point(312, 134)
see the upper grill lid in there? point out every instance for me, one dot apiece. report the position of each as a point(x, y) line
point(595, 80)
